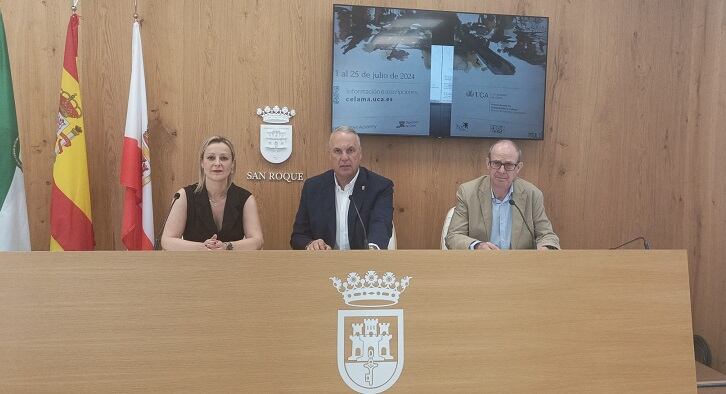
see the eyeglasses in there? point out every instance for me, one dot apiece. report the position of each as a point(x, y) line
point(507, 166)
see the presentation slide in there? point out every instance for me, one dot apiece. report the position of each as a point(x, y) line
point(439, 73)
point(500, 92)
point(381, 83)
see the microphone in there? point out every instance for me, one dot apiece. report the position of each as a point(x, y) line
point(360, 220)
point(534, 240)
point(646, 243)
point(157, 241)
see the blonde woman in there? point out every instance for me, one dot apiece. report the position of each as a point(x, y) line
point(214, 214)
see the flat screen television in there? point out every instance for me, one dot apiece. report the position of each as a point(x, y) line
point(417, 72)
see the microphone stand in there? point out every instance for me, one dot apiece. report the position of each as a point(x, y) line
point(646, 243)
point(157, 241)
point(534, 240)
point(360, 220)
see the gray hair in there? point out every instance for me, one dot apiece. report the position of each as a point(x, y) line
point(345, 129)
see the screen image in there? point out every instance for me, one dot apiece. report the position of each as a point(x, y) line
point(438, 73)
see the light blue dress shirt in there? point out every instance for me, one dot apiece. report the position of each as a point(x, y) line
point(501, 222)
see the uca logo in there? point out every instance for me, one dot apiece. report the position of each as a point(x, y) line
point(370, 341)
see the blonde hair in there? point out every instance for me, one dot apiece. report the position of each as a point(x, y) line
point(215, 139)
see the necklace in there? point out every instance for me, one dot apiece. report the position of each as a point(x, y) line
point(214, 203)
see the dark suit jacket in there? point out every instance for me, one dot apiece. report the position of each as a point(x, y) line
point(315, 219)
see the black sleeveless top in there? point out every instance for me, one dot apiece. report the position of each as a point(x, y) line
point(200, 222)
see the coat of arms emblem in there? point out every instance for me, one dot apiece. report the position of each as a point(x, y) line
point(275, 138)
point(370, 341)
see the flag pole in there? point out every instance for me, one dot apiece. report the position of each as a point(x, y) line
point(137, 224)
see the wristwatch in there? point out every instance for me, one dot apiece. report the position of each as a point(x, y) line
point(230, 246)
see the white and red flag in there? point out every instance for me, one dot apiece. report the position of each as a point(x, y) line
point(137, 228)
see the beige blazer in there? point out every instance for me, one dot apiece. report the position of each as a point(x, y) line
point(472, 220)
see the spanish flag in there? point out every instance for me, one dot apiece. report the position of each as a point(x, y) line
point(71, 227)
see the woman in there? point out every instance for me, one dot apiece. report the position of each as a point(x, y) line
point(214, 214)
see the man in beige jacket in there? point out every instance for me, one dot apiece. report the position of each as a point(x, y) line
point(500, 211)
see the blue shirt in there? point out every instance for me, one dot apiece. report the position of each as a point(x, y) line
point(502, 221)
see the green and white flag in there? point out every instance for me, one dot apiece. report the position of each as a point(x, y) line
point(14, 233)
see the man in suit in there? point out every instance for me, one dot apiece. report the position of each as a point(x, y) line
point(327, 217)
point(499, 210)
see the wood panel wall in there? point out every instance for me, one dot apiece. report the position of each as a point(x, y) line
point(633, 142)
